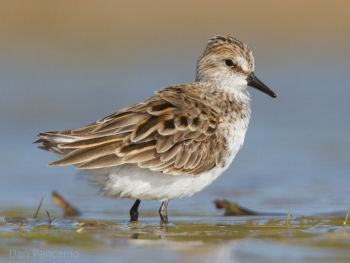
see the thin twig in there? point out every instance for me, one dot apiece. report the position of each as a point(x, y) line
point(38, 209)
point(48, 215)
point(288, 218)
point(346, 217)
point(68, 209)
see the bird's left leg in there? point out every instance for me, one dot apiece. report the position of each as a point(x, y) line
point(134, 213)
point(163, 213)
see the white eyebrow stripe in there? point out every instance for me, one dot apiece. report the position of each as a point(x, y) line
point(242, 63)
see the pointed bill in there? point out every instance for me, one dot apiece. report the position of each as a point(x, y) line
point(254, 82)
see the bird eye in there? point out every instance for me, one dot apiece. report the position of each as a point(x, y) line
point(229, 63)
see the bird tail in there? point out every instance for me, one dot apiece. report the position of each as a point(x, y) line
point(50, 140)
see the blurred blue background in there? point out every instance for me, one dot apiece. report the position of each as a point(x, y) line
point(66, 64)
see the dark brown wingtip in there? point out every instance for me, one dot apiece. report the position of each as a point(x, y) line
point(52, 164)
point(60, 162)
point(38, 141)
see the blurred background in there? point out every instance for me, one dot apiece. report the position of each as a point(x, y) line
point(64, 64)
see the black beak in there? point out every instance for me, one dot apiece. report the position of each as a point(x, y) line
point(254, 82)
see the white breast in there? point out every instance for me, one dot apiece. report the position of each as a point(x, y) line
point(234, 134)
point(234, 126)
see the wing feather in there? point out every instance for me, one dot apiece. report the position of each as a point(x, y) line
point(172, 132)
point(87, 154)
point(182, 158)
point(102, 162)
point(92, 142)
point(164, 143)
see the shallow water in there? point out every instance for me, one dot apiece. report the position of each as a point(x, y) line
point(204, 238)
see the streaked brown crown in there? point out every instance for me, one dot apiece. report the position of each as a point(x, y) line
point(225, 47)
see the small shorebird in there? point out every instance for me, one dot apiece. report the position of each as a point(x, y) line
point(173, 144)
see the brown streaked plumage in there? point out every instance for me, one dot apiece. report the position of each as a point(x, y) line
point(173, 144)
point(156, 130)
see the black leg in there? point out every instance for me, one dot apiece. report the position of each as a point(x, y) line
point(163, 213)
point(134, 213)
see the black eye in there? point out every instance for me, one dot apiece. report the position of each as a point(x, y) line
point(229, 63)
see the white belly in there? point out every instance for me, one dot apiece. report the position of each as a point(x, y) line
point(130, 181)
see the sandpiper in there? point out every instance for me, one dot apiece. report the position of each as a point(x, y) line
point(173, 144)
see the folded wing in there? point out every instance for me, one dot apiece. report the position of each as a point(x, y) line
point(170, 133)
